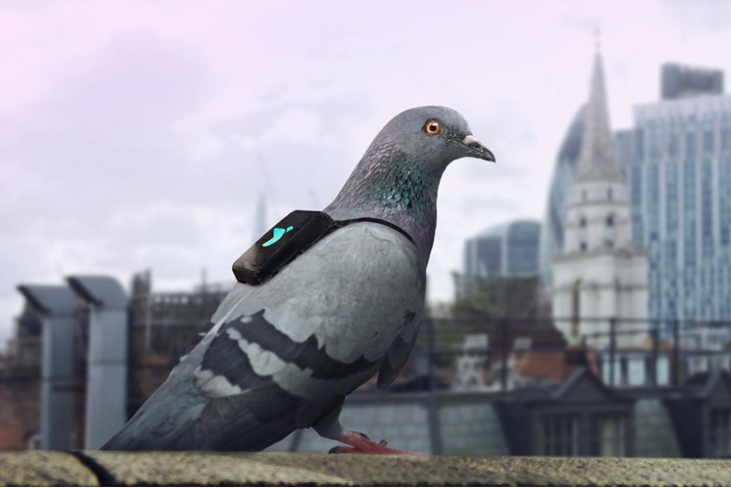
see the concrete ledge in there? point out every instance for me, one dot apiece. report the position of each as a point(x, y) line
point(284, 469)
point(43, 468)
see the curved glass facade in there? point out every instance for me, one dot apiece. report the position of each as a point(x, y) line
point(551, 239)
point(504, 250)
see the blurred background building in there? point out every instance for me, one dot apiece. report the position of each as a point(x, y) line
point(599, 273)
point(500, 274)
point(157, 327)
point(678, 160)
point(676, 165)
point(510, 249)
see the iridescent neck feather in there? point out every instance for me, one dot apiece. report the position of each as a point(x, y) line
point(388, 185)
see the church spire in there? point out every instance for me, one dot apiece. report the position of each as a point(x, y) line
point(597, 161)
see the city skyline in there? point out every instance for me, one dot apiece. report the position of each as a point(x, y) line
point(675, 160)
point(131, 139)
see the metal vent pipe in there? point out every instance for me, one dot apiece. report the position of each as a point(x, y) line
point(56, 305)
point(106, 392)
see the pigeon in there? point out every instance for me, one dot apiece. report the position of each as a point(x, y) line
point(283, 351)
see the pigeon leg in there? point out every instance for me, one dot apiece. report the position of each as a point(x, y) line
point(361, 444)
point(330, 428)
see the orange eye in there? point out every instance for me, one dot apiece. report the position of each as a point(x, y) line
point(433, 127)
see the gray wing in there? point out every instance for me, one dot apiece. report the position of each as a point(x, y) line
point(282, 355)
point(399, 352)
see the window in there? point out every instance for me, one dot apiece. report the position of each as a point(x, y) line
point(582, 234)
point(690, 139)
point(623, 371)
point(575, 308)
point(609, 194)
point(672, 141)
point(720, 433)
point(708, 126)
point(609, 231)
point(490, 251)
point(583, 195)
point(607, 435)
point(560, 435)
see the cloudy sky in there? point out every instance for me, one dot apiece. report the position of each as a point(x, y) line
point(140, 135)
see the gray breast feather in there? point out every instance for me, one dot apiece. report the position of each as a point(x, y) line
point(324, 323)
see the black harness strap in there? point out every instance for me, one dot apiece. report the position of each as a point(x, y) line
point(292, 236)
point(343, 223)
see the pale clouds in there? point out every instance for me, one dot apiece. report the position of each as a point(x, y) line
point(139, 135)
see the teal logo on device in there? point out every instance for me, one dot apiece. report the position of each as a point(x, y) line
point(278, 233)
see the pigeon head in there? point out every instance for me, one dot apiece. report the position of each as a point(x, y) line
point(431, 137)
point(398, 177)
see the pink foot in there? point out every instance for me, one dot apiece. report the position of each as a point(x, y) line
point(363, 445)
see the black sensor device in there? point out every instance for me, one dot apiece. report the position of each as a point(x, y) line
point(292, 236)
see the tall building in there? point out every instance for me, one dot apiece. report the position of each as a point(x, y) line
point(599, 272)
point(678, 157)
point(500, 273)
point(676, 160)
point(509, 249)
point(678, 81)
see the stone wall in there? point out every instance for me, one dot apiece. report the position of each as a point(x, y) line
point(96, 468)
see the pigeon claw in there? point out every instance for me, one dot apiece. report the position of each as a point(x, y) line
point(343, 450)
point(358, 443)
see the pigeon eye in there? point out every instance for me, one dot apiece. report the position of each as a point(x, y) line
point(433, 127)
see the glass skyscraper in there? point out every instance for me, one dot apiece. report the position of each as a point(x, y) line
point(678, 164)
point(504, 250)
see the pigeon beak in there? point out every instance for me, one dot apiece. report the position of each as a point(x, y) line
point(477, 149)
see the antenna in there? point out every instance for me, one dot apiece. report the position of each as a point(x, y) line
point(267, 178)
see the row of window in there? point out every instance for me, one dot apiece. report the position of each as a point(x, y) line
point(609, 233)
point(607, 435)
point(562, 435)
point(654, 139)
point(696, 233)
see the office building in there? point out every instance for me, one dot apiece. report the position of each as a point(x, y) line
point(678, 159)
